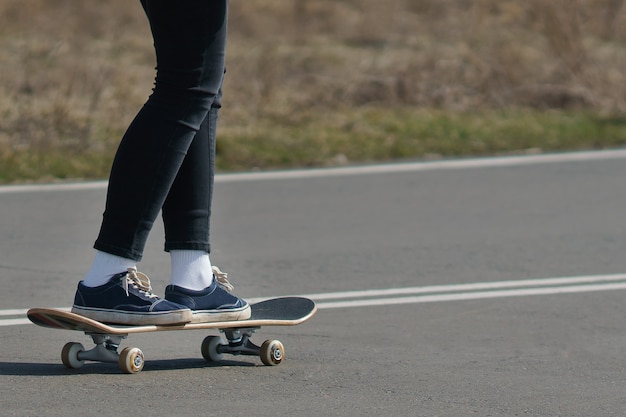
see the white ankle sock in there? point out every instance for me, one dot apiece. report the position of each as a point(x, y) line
point(104, 266)
point(191, 269)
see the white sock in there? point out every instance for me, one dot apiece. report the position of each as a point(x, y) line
point(191, 269)
point(104, 266)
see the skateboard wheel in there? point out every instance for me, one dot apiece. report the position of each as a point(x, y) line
point(209, 348)
point(131, 360)
point(272, 352)
point(69, 355)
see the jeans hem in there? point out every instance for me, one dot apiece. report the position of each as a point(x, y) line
point(118, 251)
point(170, 246)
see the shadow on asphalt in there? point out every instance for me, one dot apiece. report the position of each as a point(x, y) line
point(52, 369)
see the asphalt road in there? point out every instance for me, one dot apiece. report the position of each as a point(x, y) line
point(491, 291)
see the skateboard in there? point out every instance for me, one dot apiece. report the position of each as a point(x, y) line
point(285, 311)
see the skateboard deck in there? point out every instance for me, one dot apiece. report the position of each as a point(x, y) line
point(285, 311)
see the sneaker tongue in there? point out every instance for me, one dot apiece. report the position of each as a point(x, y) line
point(140, 280)
point(137, 280)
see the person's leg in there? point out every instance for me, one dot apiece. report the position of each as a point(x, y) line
point(190, 45)
point(152, 151)
point(187, 208)
point(187, 211)
point(194, 282)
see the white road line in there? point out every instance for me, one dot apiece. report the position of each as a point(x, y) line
point(13, 322)
point(435, 293)
point(438, 165)
point(32, 188)
point(15, 312)
point(22, 311)
point(471, 296)
point(590, 279)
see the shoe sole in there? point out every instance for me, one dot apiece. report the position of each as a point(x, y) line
point(212, 316)
point(132, 318)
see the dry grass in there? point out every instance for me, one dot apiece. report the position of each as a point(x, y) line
point(73, 74)
point(450, 54)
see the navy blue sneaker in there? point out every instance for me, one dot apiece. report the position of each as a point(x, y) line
point(127, 299)
point(212, 304)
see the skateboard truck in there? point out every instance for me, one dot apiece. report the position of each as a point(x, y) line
point(130, 359)
point(105, 349)
point(271, 352)
point(239, 342)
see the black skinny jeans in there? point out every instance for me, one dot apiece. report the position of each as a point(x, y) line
point(165, 160)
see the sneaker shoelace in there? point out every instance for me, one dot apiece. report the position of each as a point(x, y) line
point(138, 281)
point(221, 279)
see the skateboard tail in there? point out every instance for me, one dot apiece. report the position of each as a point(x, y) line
point(45, 320)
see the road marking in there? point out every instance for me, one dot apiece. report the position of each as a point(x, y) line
point(456, 288)
point(22, 311)
point(15, 312)
point(13, 322)
point(33, 188)
point(432, 294)
point(436, 165)
point(480, 295)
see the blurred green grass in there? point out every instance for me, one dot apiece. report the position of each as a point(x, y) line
point(375, 134)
